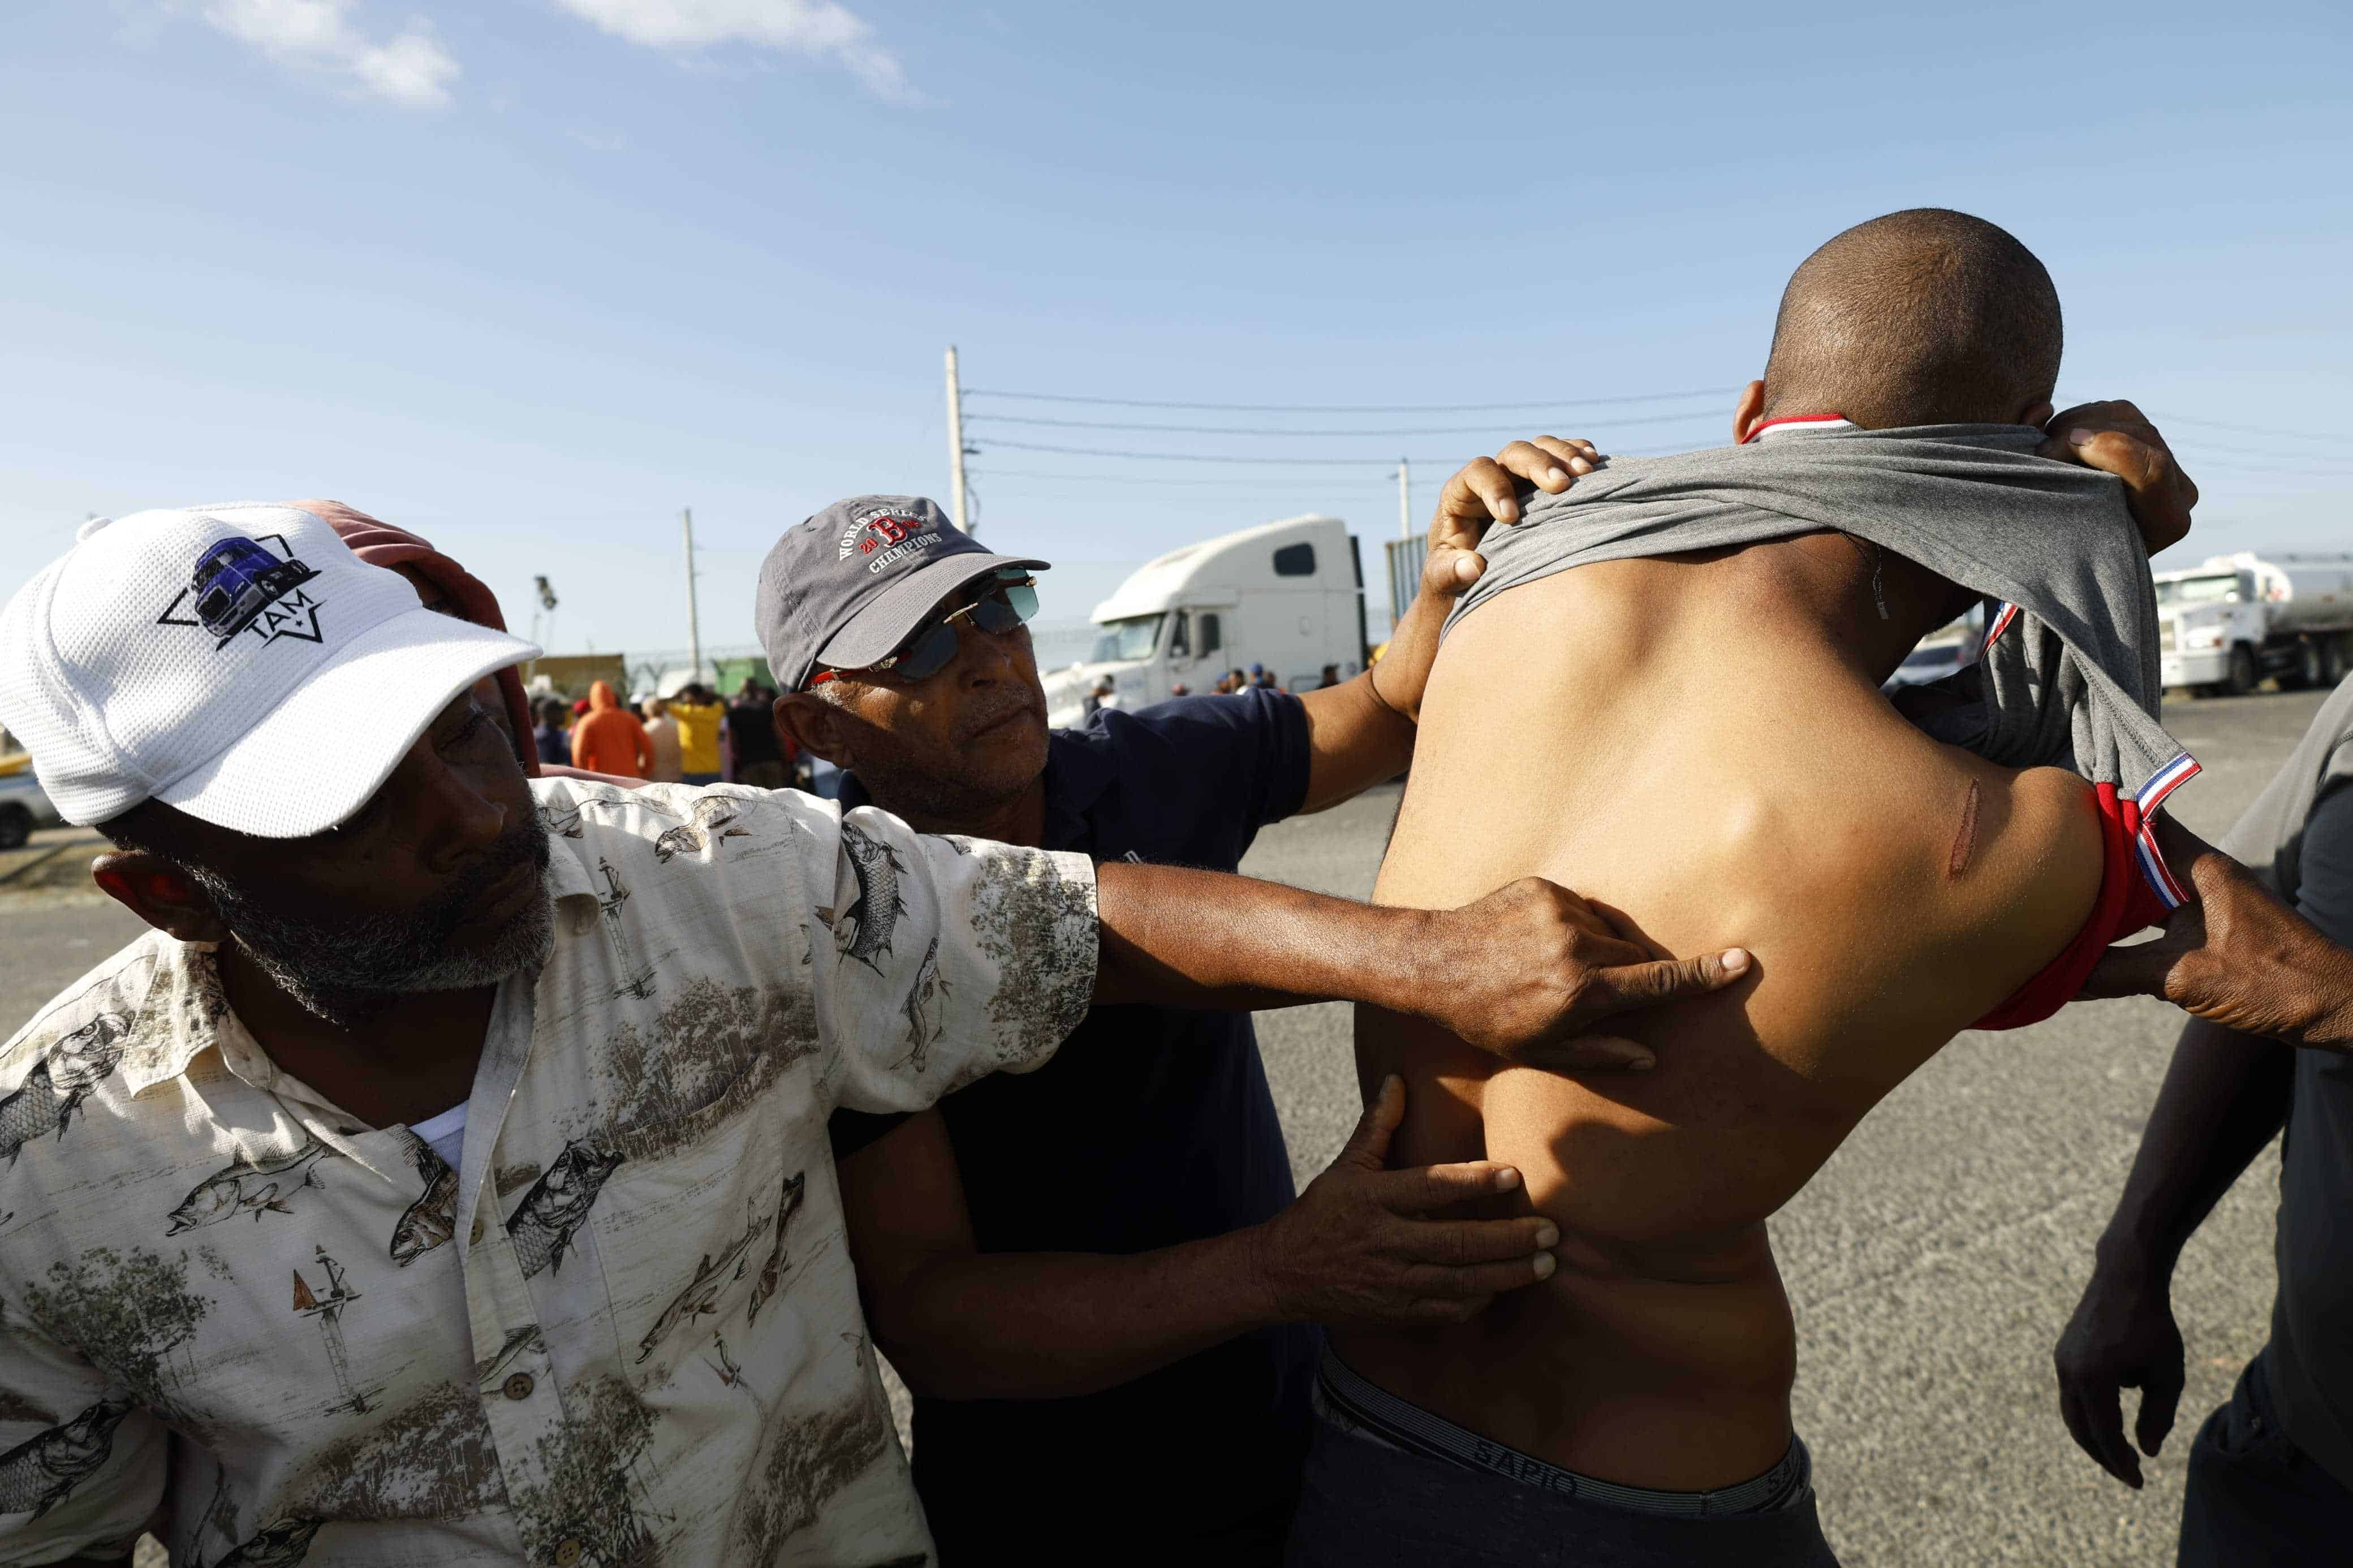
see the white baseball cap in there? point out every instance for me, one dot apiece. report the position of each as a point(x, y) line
point(237, 662)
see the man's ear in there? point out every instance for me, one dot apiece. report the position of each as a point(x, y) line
point(815, 726)
point(1747, 411)
point(159, 893)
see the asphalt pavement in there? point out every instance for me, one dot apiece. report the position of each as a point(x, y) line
point(1932, 1262)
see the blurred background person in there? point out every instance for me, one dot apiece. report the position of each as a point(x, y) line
point(611, 739)
point(661, 734)
point(553, 735)
point(749, 752)
point(1331, 678)
point(698, 711)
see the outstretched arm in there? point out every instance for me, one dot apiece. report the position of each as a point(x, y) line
point(959, 1323)
point(1522, 974)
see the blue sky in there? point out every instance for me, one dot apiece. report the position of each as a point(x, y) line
point(531, 275)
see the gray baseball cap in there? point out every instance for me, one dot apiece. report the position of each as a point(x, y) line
point(847, 586)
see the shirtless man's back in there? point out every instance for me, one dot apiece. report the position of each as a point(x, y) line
point(1700, 742)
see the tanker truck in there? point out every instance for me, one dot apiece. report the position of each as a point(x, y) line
point(2224, 626)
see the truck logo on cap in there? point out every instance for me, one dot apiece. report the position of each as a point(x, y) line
point(238, 586)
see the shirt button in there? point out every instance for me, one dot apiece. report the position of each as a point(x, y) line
point(568, 1551)
point(477, 1237)
point(519, 1386)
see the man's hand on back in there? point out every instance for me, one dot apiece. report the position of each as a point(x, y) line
point(1527, 972)
point(2116, 438)
point(1357, 1245)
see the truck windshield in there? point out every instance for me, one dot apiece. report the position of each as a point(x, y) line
point(2197, 590)
point(1134, 638)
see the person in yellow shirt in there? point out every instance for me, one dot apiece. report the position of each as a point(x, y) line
point(698, 710)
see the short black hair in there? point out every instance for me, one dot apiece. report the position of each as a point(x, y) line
point(1921, 317)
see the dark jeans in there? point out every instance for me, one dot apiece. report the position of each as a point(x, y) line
point(2253, 1497)
point(1368, 1506)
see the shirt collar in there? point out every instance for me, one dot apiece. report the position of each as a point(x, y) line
point(181, 1016)
point(1794, 424)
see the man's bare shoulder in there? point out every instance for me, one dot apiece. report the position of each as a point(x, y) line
point(2019, 875)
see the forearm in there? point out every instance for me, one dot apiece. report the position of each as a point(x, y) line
point(1355, 741)
point(1361, 732)
point(2225, 1097)
point(1051, 1325)
point(1183, 938)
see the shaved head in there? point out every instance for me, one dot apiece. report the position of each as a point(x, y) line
point(1923, 317)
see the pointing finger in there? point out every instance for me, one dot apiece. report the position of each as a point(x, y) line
point(1481, 1280)
point(1427, 1188)
point(1666, 980)
point(1463, 1243)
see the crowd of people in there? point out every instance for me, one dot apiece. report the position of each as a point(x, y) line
point(523, 1130)
point(690, 737)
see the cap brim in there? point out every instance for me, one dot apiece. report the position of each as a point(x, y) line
point(884, 623)
point(335, 740)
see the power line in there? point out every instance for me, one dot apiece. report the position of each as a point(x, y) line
point(1239, 482)
point(1361, 408)
point(1217, 458)
point(1488, 430)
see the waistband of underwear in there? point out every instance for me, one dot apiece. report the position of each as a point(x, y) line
point(1347, 1400)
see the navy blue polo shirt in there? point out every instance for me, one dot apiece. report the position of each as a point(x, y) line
point(1150, 1127)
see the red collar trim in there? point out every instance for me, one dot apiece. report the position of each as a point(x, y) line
point(1801, 421)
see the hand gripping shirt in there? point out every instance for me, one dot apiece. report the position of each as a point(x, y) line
point(625, 1329)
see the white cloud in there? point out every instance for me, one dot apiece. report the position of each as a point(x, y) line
point(409, 68)
point(819, 27)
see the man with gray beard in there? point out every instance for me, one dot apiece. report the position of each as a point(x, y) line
point(444, 1180)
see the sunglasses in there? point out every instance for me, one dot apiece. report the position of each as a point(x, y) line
point(1002, 603)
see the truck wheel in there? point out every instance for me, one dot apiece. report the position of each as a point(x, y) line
point(16, 827)
point(2243, 677)
point(2332, 661)
point(2307, 670)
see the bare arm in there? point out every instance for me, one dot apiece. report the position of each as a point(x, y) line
point(959, 1323)
point(1360, 732)
point(1183, 938)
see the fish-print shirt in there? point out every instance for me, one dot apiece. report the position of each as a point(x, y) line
point(625, 1330)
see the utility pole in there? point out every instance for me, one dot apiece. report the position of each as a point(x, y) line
point(955, 439)
point(694, 623)
point(1405, 499)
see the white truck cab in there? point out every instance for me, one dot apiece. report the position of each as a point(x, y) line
point(1288, 595)
point(2225, 625)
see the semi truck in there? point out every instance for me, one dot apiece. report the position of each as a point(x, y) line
point(1289, 595)
point(2224, 626)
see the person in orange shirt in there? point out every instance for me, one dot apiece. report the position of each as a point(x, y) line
point(611, 739)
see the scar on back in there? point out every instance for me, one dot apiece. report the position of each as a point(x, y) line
point(1965, 842)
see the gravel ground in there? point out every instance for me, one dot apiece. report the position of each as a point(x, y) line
point(1932, 1262)
point(1936, 1257)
